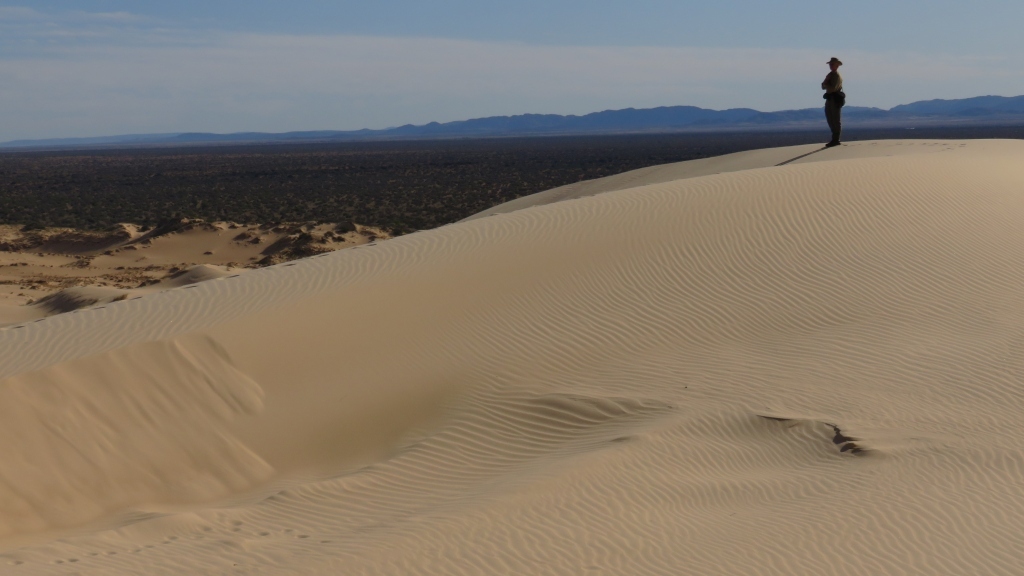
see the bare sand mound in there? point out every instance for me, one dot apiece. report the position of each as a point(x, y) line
point(804, 369)
point(38, 265)
point(194, 274)
point(77, 298)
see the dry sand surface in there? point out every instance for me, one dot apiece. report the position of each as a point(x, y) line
point(52, 271)
point(813, 368)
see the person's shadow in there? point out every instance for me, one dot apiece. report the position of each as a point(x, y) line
point(802, 156)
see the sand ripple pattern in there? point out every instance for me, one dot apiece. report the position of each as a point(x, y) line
point(667, 379)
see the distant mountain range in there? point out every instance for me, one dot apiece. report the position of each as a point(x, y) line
point(982, 110)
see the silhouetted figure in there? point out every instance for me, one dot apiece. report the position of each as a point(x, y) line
point(835, 99)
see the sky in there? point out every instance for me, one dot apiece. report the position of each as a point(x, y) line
point(102, 67)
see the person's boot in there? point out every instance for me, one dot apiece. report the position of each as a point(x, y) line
point(832, 143)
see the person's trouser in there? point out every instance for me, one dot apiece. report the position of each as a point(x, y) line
point(833, 113)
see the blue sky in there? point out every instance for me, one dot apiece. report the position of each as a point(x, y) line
point(87, 68)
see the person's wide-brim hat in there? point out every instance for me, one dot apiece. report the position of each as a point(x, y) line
point(834, 60)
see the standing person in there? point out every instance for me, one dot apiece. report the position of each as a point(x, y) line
point(834, 100)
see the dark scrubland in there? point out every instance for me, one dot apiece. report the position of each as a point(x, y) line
point(400, 186)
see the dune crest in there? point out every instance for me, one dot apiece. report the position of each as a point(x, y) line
point(728, 163)
point(799, 369)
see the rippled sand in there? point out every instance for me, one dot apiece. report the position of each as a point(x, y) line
point(731, 368)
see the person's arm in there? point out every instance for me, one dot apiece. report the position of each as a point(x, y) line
point(831, 83)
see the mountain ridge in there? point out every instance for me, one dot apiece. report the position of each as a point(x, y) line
point(967, 111)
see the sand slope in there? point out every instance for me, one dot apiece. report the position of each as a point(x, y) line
point(56, 270)
point(721, 165)
point(805, 369)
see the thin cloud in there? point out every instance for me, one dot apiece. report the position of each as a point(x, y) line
point(71, 18)
point(23, 30)
point(118, 17)
point(19, 13)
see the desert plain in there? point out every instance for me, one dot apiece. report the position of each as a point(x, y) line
point(780, 361)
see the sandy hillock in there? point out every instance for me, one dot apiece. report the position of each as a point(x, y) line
point(56, 270)
point(811, 368)
point(78, 297)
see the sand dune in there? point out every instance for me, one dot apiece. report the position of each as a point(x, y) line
point(54, 271)
point(799, 369)
point(78, 297)
point(722, 165)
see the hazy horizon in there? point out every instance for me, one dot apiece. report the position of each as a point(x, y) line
point(94, 139)
point(119, 67)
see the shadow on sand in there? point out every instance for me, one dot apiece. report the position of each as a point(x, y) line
point(801, 156)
